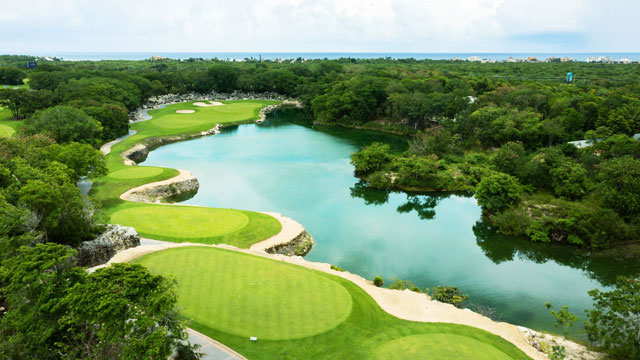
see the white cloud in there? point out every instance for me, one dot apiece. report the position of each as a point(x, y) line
point(328, 25)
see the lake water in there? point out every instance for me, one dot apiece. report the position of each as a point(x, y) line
point(431, 240)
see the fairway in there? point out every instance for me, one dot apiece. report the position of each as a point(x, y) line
point(251, 296)
point(136, 172)
point(437, 347)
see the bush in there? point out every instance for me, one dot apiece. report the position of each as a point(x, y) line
point(448, 294)
point(514, 221)
point(379, 180)
point(336, 268)
point(377, 281)
point(403, 285)
point(498, 192)
point(372, 158)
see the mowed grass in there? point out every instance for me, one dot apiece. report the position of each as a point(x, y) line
point(7, 124)
point(230, 296)
point(252, 296)
point(136, 172)
point(437, 347)
point(179, 223)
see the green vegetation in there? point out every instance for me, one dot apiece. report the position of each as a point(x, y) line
point(231, 296)
point(56, 307)
point(448, 294)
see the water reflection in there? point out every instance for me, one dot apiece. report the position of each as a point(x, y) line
point(602, 266)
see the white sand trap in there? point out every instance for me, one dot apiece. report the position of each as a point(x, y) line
point(211, 103)
point(185, 111)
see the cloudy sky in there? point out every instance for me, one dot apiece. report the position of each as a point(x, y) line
point(320, 26)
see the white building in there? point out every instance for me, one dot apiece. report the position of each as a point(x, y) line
point(626, 60)
point(474, 58)
point(592, 59)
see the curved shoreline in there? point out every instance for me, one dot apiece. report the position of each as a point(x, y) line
point(405, 305)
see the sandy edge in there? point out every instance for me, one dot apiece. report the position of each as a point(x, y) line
point(185, 111)
point(291, 229)
point(211, 103)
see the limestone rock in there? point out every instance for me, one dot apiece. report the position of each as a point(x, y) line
point(115, 239)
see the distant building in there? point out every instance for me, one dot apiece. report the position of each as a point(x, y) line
point(604, 59)
point(553, 59)
point(32, 65)
point(511, 59)
point(474, 58)
point(532, 59)
point(566, 59)
point(625, 61)
point(592, 59)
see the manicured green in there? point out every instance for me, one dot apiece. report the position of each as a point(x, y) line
point(7, 124)
point(180, 223)
point(135, 172)
point(437, 347)
point(230, 296)
point(197, 224)
point(252, 296)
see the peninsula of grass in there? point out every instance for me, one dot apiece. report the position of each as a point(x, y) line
point(298, 313)
point(179, 223)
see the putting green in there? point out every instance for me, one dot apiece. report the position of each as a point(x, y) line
point(436, 347)
point(248, 295)
point(136, 172)
point(180, 222)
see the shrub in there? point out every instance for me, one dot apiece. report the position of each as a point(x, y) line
point(498, 192)
point(403, 285)
point(379, 180)
point(513, 221)
point(372, 158)
point(448, 294)
point(336, 268)
point(377, 281)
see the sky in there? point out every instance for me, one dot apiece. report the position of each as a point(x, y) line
point(27, 27)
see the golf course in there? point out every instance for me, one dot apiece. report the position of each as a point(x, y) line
point(230, 296)
point(173, 222)
point(300, 313)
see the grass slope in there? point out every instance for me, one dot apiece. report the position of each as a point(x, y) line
point(230, 296)
point(180, 223)
point(7, 124)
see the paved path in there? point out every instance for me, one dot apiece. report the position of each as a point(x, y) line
point(212, 349)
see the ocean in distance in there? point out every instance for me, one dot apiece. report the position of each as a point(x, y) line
point(96, 56)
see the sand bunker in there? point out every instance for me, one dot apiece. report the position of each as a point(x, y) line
point(185, 111)
point(211, 103)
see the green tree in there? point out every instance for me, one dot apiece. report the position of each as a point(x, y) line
point(371, 158)
point(10, 75)
point(498, 192)
point(569, 180)
point(35, 283)
point(22, 103)
point(64, 124)
point(223, 78)
point(614, 321)
point(620, 185)
point(121, 311)
point(448, 294)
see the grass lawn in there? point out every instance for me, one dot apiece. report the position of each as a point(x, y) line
point(298, 313)
point(7, 124)
point(180, 223)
